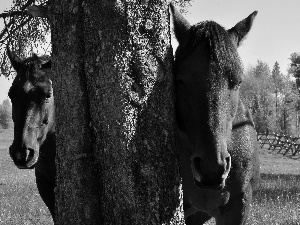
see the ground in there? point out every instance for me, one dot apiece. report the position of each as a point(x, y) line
point(276, 201)
point(20, 203)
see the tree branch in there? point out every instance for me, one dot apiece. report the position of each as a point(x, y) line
point(17, 13)
point(26, 10)
point(12, 13)
point(29, 10)
point(20, 25)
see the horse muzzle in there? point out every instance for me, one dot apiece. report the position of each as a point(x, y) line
point(23, 157)
point(210, 175)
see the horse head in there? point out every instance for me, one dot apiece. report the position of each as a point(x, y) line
point(208, 73)
point(32, 100)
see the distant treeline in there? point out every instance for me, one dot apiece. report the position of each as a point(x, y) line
point(6, 115)
point(273, 99)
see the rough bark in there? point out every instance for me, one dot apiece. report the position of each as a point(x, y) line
point(117, 160)
point(77, 194)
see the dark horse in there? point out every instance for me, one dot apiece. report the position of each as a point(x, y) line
point(216, 136)
point(33, 115)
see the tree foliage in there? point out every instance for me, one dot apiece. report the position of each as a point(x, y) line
point(23, 33)
point(255, 88)
point(272, 98)
point(295, 59)
point(294, 68)
point(27, 34)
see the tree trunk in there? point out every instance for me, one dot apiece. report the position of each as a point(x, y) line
point(116, 154)
point(77, 193)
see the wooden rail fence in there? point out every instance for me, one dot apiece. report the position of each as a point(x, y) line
point(282, 143)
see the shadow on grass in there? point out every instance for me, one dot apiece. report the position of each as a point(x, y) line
point(276, 187)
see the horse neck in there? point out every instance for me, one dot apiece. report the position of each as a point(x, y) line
point(50, 139)
point(48, 148)
point(46, 162)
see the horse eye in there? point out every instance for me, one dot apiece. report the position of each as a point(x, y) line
point(179, 81)
point(45, 122)
point(237, 86)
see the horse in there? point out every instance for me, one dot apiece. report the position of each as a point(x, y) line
point(33, 114)
point(216, 137)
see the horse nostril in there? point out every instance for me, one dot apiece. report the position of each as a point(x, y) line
point(45, 122)
point(228, 164)
point(29, 154)
point(10, 151)
point(196, 166)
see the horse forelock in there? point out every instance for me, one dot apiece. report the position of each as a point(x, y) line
point(30, 72)
point(223, 55)
point(32, 64)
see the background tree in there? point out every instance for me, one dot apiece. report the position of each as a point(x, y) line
point(116, 154)
point(272, 98)
point(294, 73)
point(255, 90)
point(294, 68)
point(5, 114)
point(295, 64)
point(277, 86)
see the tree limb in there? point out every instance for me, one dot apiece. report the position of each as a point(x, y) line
point(12, 13)
point(20, 25)
point(28, 9)
point(33, 11)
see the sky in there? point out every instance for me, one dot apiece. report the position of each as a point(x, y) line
point(275, 34)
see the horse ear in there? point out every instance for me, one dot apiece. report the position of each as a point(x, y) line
point(15, 61)
point(241, 29)
point(181, 25)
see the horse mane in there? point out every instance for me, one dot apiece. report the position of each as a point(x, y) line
point(223, 54)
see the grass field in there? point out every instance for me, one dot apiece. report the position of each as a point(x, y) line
point(20, 203)
point(276, 201)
